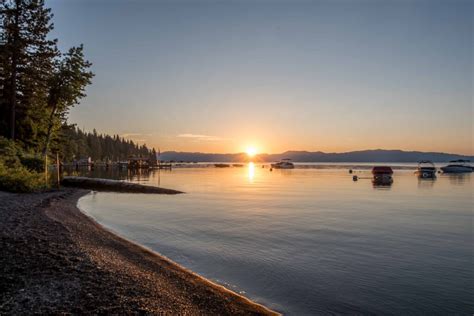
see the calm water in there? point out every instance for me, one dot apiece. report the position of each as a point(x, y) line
point(310, 241)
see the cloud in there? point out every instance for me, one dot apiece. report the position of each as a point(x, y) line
point(201, 137)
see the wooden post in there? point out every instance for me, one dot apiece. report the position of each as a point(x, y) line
point(46, 169)
point(159, 178)
point(57, 169)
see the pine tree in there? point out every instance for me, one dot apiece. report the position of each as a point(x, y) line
point(27, 62)
point(66, 87)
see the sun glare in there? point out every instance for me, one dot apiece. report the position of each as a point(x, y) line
point(251, 167)
point(251, 151)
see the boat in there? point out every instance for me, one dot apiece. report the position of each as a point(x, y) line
point(426, 169)
point(222, 165)
point(283, 164)
point(237, 165)
point(382, 175)
point(458, 166)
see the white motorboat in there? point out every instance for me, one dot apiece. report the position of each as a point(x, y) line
point(457, 166)
point(426, 169)
point(283, 164)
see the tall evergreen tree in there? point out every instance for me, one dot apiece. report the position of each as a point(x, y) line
point(67, 84)
point(27, 62)
point(38, 84)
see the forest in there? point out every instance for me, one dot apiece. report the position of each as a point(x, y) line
point(78, 144)
point(39, 84)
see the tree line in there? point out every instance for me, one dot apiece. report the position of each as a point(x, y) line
point(82, 144)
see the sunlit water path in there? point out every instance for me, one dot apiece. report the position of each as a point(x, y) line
point(310, 241)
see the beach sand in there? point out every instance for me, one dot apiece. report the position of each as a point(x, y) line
point(55, 259)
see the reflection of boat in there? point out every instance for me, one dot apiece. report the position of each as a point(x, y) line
point(426, 169)
point(458, 178)
point(283, 164)
point(382, 175)
point(457, 166)
point(426, 183)
point(221, 165)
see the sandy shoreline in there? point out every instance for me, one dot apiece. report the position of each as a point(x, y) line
point(55, 259)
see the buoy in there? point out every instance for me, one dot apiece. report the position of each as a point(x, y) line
point(355, 178)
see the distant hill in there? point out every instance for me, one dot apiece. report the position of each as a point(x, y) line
point(377, 155)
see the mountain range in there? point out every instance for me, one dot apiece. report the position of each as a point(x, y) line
point(376, 155)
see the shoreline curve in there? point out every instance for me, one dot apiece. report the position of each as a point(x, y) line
point(58, 259)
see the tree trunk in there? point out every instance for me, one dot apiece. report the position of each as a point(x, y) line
point(14, 66)
point(48, 139)
point(13, 97)
point(50, 129)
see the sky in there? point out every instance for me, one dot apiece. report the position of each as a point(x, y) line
point(222, 76)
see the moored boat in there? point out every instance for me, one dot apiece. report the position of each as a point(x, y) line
point(283, 164)
point(426, 169)
point(458, 166)
point(382, 175)
point(221, 165)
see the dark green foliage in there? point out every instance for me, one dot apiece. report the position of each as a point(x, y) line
point(66, 87)
point(9, 152)
point(38, 83)
point(19, 170)
point(12, 155)
point(32, 162)
point(20, 179)
point(97, 146)
point(26, 63)
point(38, 86)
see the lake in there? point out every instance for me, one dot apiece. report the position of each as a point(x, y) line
point(309, 240)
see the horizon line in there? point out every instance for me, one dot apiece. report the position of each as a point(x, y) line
point(319, 151)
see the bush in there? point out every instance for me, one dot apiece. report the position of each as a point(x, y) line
point(9, 152)
point(20, 179)
point(19, 171)
point(32, 162)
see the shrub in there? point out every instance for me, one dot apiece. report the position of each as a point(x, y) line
point(20, 179)
point(32, 162)
point(9, 152)
point(19, 171)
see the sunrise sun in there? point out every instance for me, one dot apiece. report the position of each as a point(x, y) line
point(251, 151)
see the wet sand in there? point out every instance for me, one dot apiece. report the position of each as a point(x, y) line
point(55, 259)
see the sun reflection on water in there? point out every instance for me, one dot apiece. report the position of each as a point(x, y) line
point(251, 171)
